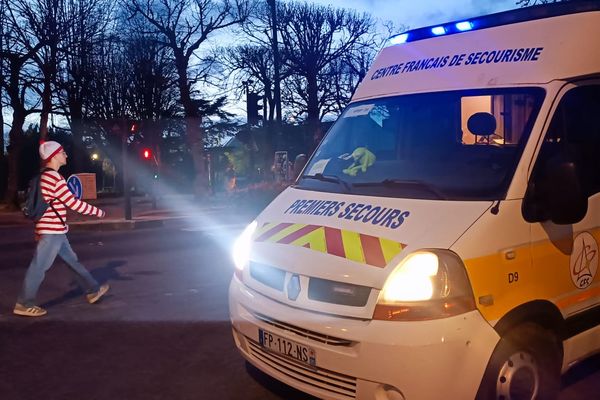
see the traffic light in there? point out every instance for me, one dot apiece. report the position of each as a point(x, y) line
point(146, 153)
point(253, 107)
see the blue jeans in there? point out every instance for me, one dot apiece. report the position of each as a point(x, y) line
point(48, 247)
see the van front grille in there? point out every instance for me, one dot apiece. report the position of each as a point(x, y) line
point(305, 333)
point(338, 292)
point(340, 386)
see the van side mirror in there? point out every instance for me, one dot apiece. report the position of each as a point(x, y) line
point(299, 163)
point(556, 195)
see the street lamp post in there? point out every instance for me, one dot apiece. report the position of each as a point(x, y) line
point(251, 101)
point(120, 128)
point(126, 185)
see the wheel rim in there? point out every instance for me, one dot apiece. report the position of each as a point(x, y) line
point(519, 378)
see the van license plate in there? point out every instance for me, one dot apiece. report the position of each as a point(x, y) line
point(289, 348)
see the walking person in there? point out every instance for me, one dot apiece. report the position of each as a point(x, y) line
point(50, 233)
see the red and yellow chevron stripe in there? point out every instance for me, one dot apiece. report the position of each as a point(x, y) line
point(355, 246)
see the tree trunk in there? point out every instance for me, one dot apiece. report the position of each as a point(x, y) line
point(79, 151)
point(15, 147)
point(312, 107)
point(193, 130)
point(49, 72)
point(195, 140)
point(1, 133)
point(269, 103)
point(276, 63)
point(46, 105)
point(313, 97)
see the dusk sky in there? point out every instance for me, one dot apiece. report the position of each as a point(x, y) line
point(419, 13)
point(415, 13)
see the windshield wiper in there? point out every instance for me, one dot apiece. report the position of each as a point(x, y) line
point(396, 183)
point(329, 178)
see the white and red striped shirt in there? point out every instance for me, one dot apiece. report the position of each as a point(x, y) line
point(54, 187)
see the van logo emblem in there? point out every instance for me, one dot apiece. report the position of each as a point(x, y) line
point(584, 260)
point(293, 287)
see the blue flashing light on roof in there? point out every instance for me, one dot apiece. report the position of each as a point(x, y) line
point(464, 26)
point(438, 30)
point(398, 39)
point(493, 20)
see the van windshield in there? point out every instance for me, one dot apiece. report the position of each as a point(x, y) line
point(462, 145)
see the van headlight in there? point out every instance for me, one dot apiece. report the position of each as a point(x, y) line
point(426, 284)
point(242, 247)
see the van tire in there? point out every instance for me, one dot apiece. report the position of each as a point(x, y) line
point(524, 366)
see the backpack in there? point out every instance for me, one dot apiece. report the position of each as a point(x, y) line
point(35, 206)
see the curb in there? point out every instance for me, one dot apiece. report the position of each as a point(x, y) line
point(116, 225)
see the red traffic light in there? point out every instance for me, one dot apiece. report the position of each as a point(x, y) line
point(147, 154)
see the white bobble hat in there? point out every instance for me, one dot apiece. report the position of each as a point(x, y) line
point(49, 149)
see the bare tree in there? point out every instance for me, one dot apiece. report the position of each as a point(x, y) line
point(258, 59)
point(87, 23)
point(153, 98)
point(2, 77)
point(109, 106)
point(253, 65)
point(153, 90)
point(274, 39)
point(112, 81)
point(184, 25)
point(49, 27)
point(21, 83)
point(346, 72)
point(44, 22)
point(314, 37)
point(527, 3)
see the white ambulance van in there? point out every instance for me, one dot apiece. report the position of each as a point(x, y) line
point(443, 240)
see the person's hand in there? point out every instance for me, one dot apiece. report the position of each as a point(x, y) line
point(101, 214)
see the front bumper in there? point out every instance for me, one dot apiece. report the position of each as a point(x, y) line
point(364, 359)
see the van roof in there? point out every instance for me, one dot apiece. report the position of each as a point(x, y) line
point(530, 46)
point(502, 18)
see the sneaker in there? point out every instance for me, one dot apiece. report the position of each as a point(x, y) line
point(97, 295)
point(33, 311)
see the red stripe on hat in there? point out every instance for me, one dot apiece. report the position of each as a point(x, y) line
point(335, 245)
point(372, 250)
point(55, 152)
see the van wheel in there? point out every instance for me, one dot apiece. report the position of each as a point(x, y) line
point(524, 366)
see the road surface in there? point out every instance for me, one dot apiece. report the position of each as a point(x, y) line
point(162, 332)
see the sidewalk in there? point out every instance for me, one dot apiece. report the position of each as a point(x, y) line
point(144, 215)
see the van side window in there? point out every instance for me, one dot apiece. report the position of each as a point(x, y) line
point(575, 132)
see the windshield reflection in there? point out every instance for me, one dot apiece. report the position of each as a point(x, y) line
point(450, 145)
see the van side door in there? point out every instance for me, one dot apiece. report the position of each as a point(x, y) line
point(566, 255)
